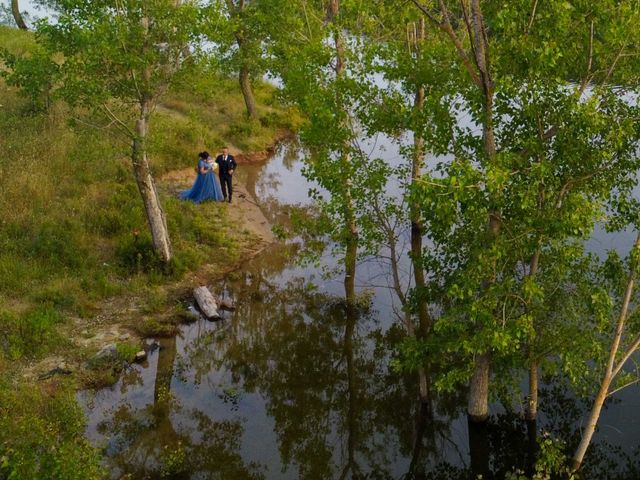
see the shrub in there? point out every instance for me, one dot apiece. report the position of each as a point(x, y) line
point(127, 351)
point(41, 435)
point(135, 254)
point(32, 333)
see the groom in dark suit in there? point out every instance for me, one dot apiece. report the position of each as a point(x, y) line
point(226, 166)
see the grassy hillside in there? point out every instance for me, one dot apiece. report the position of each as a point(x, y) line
point(73, 232)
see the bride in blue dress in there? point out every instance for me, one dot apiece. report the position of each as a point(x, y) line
point(206, 186)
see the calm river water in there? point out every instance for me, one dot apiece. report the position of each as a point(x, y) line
point(288, 386)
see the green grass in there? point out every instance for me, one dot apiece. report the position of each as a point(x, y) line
point(16, 41)
point(41, 435)
point(72, 226)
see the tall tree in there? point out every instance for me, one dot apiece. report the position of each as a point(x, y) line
point(119, 59)
point(485, 177)
point(236, 29)
point(317, 61)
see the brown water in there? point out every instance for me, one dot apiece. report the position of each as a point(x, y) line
point(291, 386)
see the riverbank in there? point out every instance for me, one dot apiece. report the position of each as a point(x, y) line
point(77, 271)
point(126, 320)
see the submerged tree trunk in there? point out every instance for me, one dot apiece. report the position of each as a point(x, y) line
point(247, 92)
point(148, 191)
point(531, 416)
point(478, 412)
point(479, 449)
point(17, 16)
point(349, 215)
point(417, 228)
point(532, 402)
point(478, 407)
point(423, 428)
point(417, 231)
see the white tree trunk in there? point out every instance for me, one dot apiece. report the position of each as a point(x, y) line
point(612, 369)
point(148, 191)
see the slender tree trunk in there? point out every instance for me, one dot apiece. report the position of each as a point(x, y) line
point(244, 73)
point(478, 408)
point(247, 92)
point(148, 191)
point(350, 258)
point(17, 16)
point(532, 403)
point(590, 429)
point(417, 228)
point(611, 370)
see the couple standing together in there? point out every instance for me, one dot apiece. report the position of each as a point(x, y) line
point(206, 186)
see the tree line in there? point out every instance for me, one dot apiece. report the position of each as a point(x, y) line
point(517, 126)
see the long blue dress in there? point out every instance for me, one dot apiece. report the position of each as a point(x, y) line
point(206, 186)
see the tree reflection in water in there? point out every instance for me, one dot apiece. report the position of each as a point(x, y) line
point(153, 440)
point(296, 384)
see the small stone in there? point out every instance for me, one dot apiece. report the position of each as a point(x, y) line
point(227, 303)
point(125, 336)
point(141, 356)
point(107, 352)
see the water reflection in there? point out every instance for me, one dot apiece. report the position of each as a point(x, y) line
point(296, 383)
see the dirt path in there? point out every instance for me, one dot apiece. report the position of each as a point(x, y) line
point(244, 211)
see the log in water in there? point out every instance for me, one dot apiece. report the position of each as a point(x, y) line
point(206, 302)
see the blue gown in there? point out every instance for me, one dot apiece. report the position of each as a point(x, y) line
point(206, 186)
